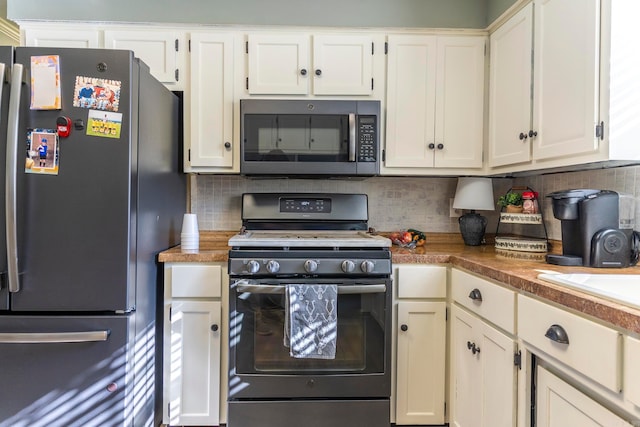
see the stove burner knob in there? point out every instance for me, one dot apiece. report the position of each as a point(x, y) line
point(273, 266)
point(253, 266)
point(367, 266)
point(310, 266)
point(348, 266)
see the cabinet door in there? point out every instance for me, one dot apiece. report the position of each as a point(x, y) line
point(160, 50)
point(566, 73)
point(510, 90)
point(194, 363)
point(459, 109)
point(420, 378)
point(209, 134)
point(342, 65)
point(559, 404)
point(411, 92)
point(483, 373)
point(279, 64)
point(80, 38)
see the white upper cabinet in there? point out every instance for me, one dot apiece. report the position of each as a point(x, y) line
point(304, 64)
point(435, 103)
point(566, 77)
point(209, 108)
point(61, 37)
point(510, 90)
point(162, 50)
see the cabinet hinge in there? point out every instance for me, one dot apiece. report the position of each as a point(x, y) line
point(600, 131)
point(445, 408)
point(386, 48)
point(517, 359)
point(485, 48)
point(189, 45)
point(177, 75)
point(189, 154)
point(372, 50)
point(169, 410)
point(446, 314)
point(177, 45)
point(247, 83)
point(383, 155)
point(246, 47)
point(371, 83)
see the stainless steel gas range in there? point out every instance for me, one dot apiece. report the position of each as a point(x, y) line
point(310, 314)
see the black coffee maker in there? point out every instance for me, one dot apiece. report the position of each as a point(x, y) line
point(592, 235)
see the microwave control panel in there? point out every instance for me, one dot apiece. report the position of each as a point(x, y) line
point(367, 139)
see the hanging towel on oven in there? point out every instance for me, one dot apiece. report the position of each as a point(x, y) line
point(311, 321)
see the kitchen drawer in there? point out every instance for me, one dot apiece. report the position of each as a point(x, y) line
point(196, 280)
point(421, 281)
point(489, 300)
point(631, 383)
point(593, 350)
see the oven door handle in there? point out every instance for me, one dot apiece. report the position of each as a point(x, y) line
point(279, 289)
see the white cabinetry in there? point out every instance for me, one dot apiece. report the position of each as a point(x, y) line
point(435, 103)
point(420, 332)
point(560, 404)
point(483, 372)
point(305, 64)
point(162, 50)
point(209, 107)
point(193, 337)
point(510, 87)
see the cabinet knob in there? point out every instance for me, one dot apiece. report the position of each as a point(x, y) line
point(440, 146)
point(303, 72)
point(404, 328)
point(214, 327)
point(475, 295)
point(227, 145)
point(318, 72)
point(431, 146)
point(533, 134)
point(523, 136)
point(557, 334)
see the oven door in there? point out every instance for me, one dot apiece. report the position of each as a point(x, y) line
point(261, 365)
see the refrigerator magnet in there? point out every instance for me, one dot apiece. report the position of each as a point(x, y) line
point(42, 152)
point(45, 83)
point(97, 93)
point(104, 124)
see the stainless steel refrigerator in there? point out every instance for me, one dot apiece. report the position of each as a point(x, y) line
point(91, 192)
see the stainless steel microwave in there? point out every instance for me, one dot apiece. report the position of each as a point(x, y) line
point(309, 137)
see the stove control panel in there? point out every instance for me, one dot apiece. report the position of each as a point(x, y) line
point(307, 266)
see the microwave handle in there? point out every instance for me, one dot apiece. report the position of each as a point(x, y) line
point(352, 137)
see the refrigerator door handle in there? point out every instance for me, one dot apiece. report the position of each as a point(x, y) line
point(53, 337)
point(12, 176)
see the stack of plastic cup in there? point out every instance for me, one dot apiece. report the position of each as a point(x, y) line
point(190, 238)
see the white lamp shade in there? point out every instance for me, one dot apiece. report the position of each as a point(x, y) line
point(474, 194)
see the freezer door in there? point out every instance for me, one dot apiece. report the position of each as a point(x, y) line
point(62, 371)
point(76, 228)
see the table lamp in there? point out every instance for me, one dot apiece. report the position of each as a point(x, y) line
point(473, 194)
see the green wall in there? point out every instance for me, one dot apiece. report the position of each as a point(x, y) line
point(342, 13)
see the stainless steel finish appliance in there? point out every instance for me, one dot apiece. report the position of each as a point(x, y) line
point(308, 239)
point(78, 276)
point(597, 228)
point(309, 137)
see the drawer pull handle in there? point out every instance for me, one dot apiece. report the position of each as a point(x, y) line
point(475, 295)
point(558, 334)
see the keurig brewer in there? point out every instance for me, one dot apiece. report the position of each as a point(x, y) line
point(597, 228)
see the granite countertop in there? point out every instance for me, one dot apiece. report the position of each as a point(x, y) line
point(502, 266)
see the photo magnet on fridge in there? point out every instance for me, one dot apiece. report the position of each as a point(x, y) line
point(42, 152)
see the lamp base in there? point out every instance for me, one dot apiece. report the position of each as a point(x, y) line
point(472, 227)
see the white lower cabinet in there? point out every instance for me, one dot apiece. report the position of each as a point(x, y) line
point(420, 338)
point(560, 404)
point(483, 381)
point(193, 371)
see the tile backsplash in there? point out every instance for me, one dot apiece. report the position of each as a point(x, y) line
point(399, 202)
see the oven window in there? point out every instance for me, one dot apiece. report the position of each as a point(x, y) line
point(359, 344)
point(296, 137)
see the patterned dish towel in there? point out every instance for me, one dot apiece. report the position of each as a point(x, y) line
point(311, 321)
